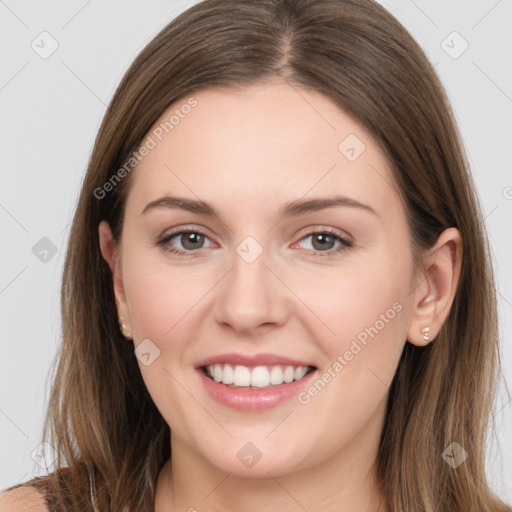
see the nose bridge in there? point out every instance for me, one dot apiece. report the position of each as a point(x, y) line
point(250, 295)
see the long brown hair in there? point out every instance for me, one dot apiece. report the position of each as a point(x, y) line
point(110, 438)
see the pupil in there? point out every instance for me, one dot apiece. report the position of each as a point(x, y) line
point(324, 239)
point(192, 240)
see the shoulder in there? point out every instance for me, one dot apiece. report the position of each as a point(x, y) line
point(22, 499)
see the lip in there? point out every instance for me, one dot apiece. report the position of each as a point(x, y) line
point(252, 360)
point(254, 399)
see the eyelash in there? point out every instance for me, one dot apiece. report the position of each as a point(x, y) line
point(345, 242)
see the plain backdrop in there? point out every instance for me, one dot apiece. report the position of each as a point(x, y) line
point(51, 109)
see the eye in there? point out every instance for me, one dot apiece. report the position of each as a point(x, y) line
point(324, 241)
point(190, 241)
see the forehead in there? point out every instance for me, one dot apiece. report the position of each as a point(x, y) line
point(260, 143)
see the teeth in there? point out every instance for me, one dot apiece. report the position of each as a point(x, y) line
point(276, 376)
point(300, 371)
point(242, 376)
point(217, 373)
point(288, 374)
point(260, 377)
point(257, 377)
point(228, 374)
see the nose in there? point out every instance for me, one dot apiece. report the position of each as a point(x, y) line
point(251, 295)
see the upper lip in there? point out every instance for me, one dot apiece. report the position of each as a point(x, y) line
point(251, 360)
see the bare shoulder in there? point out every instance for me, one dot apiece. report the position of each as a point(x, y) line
point(26, 499)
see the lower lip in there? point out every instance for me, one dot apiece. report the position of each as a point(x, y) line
point(253, 399)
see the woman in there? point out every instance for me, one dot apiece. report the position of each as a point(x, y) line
point(277, 293)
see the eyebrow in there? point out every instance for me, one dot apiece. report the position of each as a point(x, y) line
point(290, 209)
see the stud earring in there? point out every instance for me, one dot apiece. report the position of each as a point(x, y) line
point(426, 333)
point(125, 333)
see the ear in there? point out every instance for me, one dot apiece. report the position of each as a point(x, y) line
point(433, 296)
point(111, 254)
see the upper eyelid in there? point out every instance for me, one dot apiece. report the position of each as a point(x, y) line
point(183, 230)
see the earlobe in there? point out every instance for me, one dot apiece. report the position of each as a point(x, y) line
point(436, 291)
point(110, 253)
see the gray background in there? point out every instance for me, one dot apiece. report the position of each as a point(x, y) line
point(51, 109)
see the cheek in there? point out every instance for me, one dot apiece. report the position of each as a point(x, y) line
point(362, 301)
point(161, 302)
point(155, 302)
point(160, 294)
point(366, 310)
point(364, 316)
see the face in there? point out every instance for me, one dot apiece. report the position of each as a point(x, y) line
point(266, 276)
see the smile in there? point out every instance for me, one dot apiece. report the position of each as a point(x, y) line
point(258, 377)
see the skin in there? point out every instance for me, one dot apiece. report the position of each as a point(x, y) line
point(247, 151)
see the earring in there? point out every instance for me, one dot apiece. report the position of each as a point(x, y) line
point(426, 333)
point(125, 333)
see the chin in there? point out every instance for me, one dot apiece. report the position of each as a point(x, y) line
point(259, 459)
